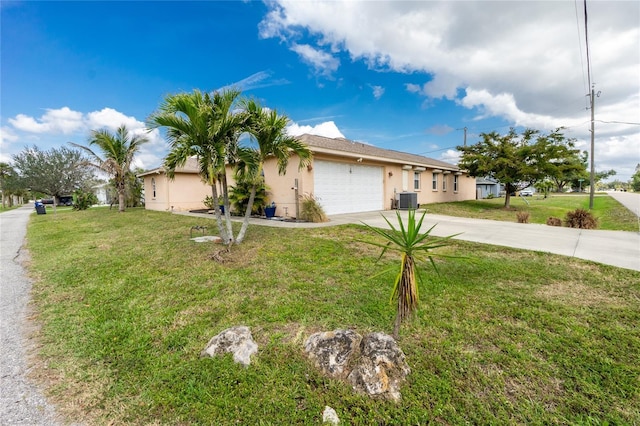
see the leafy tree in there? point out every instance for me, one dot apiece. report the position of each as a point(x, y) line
point(9, 183)
point(118, 151)
point(56, 172)
point(635, 179)
point(206, 126)
point(517, 161)
point(568, 168)
point(413, 247)
point(268, 129)
point(544, 187)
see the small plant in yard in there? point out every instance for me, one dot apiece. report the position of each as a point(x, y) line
point(240, 193)
point(412, 246)
point(554, 221)
point(82, 200)
point(208, 202)
point(523, 217)
point(581, 218)
point(311, 210)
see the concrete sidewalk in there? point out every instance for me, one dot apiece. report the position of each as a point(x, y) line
point(616, 248)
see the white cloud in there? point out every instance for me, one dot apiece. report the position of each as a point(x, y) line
point(111, 119)
point(327, 129)
point(58, 121)
point(321, 61)
point(378, 91)
point(523, 62)
point(75, 125)
point(7, 135)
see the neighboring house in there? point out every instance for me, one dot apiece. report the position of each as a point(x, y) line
point(487, 187)
point(185, 192)
point(344, 176)
point(102, 192)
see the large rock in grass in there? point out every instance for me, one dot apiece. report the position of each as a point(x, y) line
point(235, 340)
point(374, 365)
point(381, 368)
point(332, 351)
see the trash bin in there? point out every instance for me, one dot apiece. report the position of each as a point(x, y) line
point(40, 208)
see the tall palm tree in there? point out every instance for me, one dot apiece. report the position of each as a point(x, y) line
point(268, 129)
point(118, 151)
point(205, 126)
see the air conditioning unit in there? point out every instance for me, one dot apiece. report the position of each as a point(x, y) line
point(407, 200)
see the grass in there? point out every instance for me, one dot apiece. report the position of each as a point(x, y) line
point(7, 208)
point(611, 214)
point(126, 303)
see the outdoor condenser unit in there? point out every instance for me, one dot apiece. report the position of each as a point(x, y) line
point(407, 200)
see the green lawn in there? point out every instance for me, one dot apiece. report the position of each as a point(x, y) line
point(127, 302)
point(611, 214)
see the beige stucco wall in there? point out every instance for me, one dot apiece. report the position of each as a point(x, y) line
point(281, 187)
point(185, 192)
point(282, 193)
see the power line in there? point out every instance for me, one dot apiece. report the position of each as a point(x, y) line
point(618, 122)
point(575, 3)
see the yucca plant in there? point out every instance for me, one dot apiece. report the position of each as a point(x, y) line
point(414, 247)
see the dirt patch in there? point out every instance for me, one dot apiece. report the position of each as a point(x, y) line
point(577, 294)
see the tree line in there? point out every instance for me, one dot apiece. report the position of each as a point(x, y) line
point(546, 161)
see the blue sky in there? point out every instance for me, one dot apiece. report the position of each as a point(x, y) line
point(400, 75)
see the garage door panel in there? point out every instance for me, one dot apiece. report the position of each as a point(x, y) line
point(348, 188)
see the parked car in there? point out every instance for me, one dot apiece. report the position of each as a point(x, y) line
point(526, 192)
point(65, 200)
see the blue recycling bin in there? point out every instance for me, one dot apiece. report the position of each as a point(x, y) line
point(40, 208)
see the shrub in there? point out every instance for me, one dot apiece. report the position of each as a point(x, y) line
point(554, 221)
point(208, 202)
point(581, 218)
point(311, 210)
point(239, 197)
point(82, 200)
point(523, 217)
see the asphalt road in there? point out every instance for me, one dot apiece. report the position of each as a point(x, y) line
point(21, 401)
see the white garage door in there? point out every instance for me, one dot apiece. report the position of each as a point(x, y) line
point(348, 188)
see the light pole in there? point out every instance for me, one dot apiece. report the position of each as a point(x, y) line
point(580, 184)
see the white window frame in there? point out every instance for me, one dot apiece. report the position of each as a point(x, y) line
point(434, 182)
point(153, 186)
point(455, 183)
point(417, 186)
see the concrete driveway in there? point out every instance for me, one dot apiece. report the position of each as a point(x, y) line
point(616, 248)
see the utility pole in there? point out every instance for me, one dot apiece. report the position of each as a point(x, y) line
point(592, 183)
point(465, 136)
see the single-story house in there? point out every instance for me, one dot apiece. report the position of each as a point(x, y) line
point(344, 176)
point(487, 187)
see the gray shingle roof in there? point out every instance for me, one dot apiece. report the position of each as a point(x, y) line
point(341, 145)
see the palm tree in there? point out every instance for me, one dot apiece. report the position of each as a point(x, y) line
point(205, 126)
point(412, 245)
point(118, 151)
point(268, 129)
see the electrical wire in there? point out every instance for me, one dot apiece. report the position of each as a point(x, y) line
point(584, 83)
